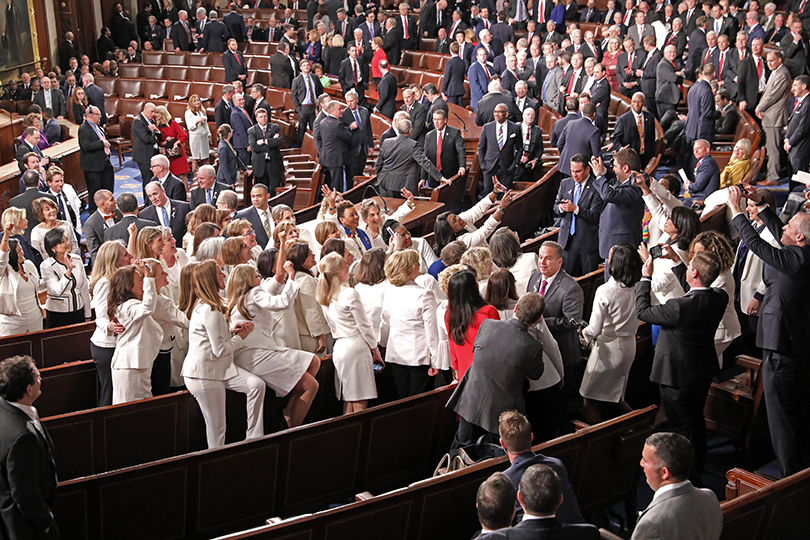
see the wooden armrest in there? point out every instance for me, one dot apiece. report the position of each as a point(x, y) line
point(360, 497)
point(749, 362)
point(579, 425)
point(605, 534)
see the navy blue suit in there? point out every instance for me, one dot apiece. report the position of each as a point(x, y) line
point(453, 83)
point(707, 179)
point(479, 81)
point(582, 248)
point(240, 124)
point(559, 126)
point(700, 120)
point(499, 162)
point(580, 136)
point(568, 512)
point(620, 222)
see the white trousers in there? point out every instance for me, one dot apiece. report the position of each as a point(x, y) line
point(210, 395)
point(11, 326)
point(131, 385)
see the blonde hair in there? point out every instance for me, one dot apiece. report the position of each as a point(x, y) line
point(146, 236)
point(205, 284)
point(163, 115)
point(278, 211)
point(323, 230)
point(284, 226)
point(14, 215)
point(106, 262)
point(399, 266)
point(231, 250)
point(241, 281)
point(447, 273)
point(329, 283)
point(190, 105)
point(480, 260)
point(154, 265)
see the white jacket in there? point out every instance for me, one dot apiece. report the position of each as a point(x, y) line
point(9, 279)
point(66, 295)
point(751, 278)
point(139, 343)
point(409, 313)
point(210, 346)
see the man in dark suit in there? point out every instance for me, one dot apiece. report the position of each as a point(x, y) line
point(685, 359)
point(729, 115)
point(626, 132)
point(728, 64)
point(676, 37)
point(181, 34)
point(797, 134)
point(706, 173)
point(454, 73)
point(344, 25)
point(667, 93)
point(167, 212)
point(370, 27)
point(417, 115)
point(145, 137)
point(254, 32)
point(407, 27)
point(105, 216)
point(175, 189)
point(274, 31)
point(353, 74)
point(258, 214)
point(281, 70)
point(154, 34)
point(442, 45)
point(531, 150)
point(600, 91)
point(264, 140)
point(701, 111)
point(580, 207)
point(255, 100)
point(94, 156)
point(29, 144)
point(51, 97)
point(305, 91)
point(26, 199)
point(504, 356)
point(208, 189)
point(564, 301)
point(241, 123)
point(444, 147)
point(437, 103)
point(753, 71)
point(697, 48)
point(516, 437)
point(392, 41)
point(67, 50)
point(794, 45)
point(29, 476)
point(222, 112)
point(215, 35)
point(362, 141)
point(648, 71)
point(580, 136)
point(572, 109)
point(333, 138)
point(782, 328)
point(431, 17)
point(626, 65)
point(386, 92)
point(235, 23)
point(498, 149)
point(400, 162)
point(620, 222)
point(487, 104)
point(128, 205)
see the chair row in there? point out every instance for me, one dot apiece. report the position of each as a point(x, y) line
point(149, 88)
point(255, 60)
point(424, 60)
point(191, 73)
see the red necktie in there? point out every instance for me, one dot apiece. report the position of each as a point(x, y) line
point(238, 61)
point(671, 35)
point(720, 69)
point(759, 68)
point(405, 25)
point(439, 153)
point(354, 70)
point(708, 54)
point(801, 7)
point(571, 83)
point(542, 12)
point(486, 71)
point(247, 116)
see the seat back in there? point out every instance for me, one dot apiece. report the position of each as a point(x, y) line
point(178, 90)
point(217, 74)
point(152, 58)
point(176, 59)
point(130, 107)
point(154, 89)
point(130, 88)
point(198, 59)
point(129, 71)
point(205, 91)
point(108, 85)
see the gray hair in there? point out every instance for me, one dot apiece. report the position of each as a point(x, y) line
point(161, 160)
point(200, 11)
point(404, 126)
point(351, 93)
point(229, 198)
point(494, 86)
point(555, 246)
point(209, 248)
point(154, 183)
point(207, 170)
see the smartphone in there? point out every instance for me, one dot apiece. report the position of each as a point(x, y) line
point(377, 367)
point(390, 231)
point(656, 251)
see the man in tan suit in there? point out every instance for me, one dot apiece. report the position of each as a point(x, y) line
point(773, 111)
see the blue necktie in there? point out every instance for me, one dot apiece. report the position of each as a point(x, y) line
point(208, 196)
point(500, 137)
point(357, 118)
point(577, 189)
point(62, 206)
point(165, 217)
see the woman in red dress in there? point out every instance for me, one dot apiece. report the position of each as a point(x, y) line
point(174, 142)
point(379, 54)
point(466, 310)
point(614, 49)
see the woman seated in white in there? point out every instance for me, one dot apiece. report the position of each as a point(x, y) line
point(355, 351)
point(285, 371)
point(402, 239)
point(450, 227)
point(504, 246)
point(46, 212)
point(209, 369)
point(20, 311)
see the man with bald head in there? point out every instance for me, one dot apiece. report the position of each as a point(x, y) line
point(94, 156)
point(145, 139)
point(499, 149)
point(100, 220)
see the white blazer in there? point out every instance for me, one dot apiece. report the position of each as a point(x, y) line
point(10, 280)
point(475, 237)
point(210, 346)
point(660, 204)
point(551, 357)
point(260, 304)
point(409, 312)
point(524, 267)
point(38, 238)
point(169, 317)
point(100, 337)
point(751, 278)
point(426, 254)
point(66, 295)
point(729, 327)
point(348, 318)
point(139, 343)
point(372, 298)
point(173, 289)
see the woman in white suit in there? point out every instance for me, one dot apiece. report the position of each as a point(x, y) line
point(403, 240)
point(285, 371)
point(19, 285)
point(355, 351)
point(174, 259)
point(66, 282)
point(111, 256)
point(450, 227)
point(409, 313)
point(370, 284)
point(46, 212)
point(209, 369)
point(612, 330)
point(132, 301)
point(505, 248)
point(372, 218)
point(312, 326)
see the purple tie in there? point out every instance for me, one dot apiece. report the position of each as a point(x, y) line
point(543, 287)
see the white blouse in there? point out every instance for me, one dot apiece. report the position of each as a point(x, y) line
point(66, 294)
point(25, 292)
point(100, 337)
point(38, 238)
point(347, 317)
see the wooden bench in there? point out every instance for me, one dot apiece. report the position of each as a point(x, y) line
point(51, 347)
point(715, 220)
point(601, 460)
point(204, 494)
point(68, 388)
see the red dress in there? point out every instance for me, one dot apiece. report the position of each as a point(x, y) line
point(179, 164)
point(609, 61)
point(461, 356)
point(379, 54)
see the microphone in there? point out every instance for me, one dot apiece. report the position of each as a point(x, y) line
point(375, 190)
point(463, 123)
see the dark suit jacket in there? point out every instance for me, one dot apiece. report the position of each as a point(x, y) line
point(197, 195)
point(418, 117)
point(367, 33)
point(58, 103)
point(454, 72)
point(173, 187)
point(26, 200)
point(454, 155)
point(143, 141)
point(621, 217)
point(501, 163)
point(299, 90)
point(28, 475)
point(95, 96)
point(798, 135)
point(255, 34)
point(442, 47)
point(400, 164)
point(727, 123)
point(590, 209)
point(94, 229)
point(362, 138)
point(625, 133)
point(413, 34)
point(600, 96)
point(684, 355)
point(346, 76)
point(177, 218)
point(438, 104)
point(332, 139)
point(91, 157)
point(564, 301)
point(232, 67)
point(697, 47)
point(392, 45)
point(240, 124)
point(281, 71)
point(222, 112)
point(274, 166)
point(568, 512)
point(678, 41)
point(559, 126)
point(622, 62)
point(235, 23)
point(214, 37)
point(504, 355)
point(748, 82)
point(387, 92)
point(251, 214)
point(547, 529)
point(702, 112)
point(22, 150)
point(119, 230)
point(486, 108)
point(180, 38)
point(580, 136)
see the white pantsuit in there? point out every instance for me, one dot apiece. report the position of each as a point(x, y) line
point(209, 370)
point(28, 315)
point(729, 328)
